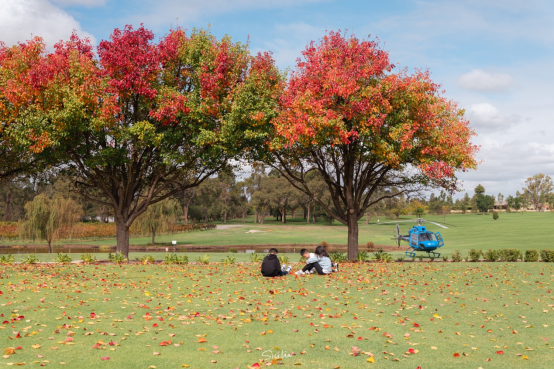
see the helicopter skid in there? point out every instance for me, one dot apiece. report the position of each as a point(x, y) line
point(411, 253)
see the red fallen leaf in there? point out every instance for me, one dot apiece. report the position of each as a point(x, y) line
point(360, 338)
point(411, 350)
point(255, 366)
point(68, 339)
point(416, 325)
point(419, 367)
point(155, 325)
point(97, 345)
point(18, 347)
point(488, 359)
point(456, 355)
point(105, 358)
point(111, 343)
point(165, 343)
point(499, 352)
point(202, 340)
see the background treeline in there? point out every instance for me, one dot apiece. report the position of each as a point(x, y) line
point(32, 208)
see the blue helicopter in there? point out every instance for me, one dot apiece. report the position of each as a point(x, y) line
point(419, 238)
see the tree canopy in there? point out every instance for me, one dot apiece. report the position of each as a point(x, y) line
point(347, 114)
point(139, 120)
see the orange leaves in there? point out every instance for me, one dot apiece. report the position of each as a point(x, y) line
point(201, 340)
point(9, 351)
point(166, 343)
point(456, 355)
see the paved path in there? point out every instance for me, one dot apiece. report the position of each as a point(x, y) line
point(224, 227)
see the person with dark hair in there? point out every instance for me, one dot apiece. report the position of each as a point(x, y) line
point(272, 267)
point(319, 262)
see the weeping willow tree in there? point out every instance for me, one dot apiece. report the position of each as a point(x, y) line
point(46, 218)
point(158, 218)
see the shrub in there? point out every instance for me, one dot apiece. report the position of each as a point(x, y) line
point(233, 250)
point(474, 255)
point(283, 258)
point(204, 260)
point(229, 260)
point(370, 245)
point(117, 258)
point(381, 256)
point(547, 255)
point(30, 259)
point(531, 255)
point(324, 244)
point(338, 257)
point(63, 258)
point(431, 259)
point(511, 255)
point(491, 255)
point(254, 257)
point(88, 258)
point(146, 259)
point(7, 260)
point(173, 258)
point(456, 256)
point(445, 258)
point(400, 259)
point(420, 258)
point(362, 256)
point(495, 215)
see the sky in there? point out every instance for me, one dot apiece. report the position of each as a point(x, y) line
point(495, 58)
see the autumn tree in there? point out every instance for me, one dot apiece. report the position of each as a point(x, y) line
point(536, 190)
point(46, 218)
point(348, 116)
point(140, 120)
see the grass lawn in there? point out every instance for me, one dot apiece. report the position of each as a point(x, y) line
point(403, 315)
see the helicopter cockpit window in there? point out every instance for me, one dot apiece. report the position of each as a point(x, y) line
point(427, 237)
point(414, 238)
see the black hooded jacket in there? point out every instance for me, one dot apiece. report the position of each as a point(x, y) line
point(271, 266)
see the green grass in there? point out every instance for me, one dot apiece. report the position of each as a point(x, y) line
point(384, 309)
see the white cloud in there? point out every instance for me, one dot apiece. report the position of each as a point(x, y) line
point(479, 80)
point(87, 3)
point(485, 117)
point(20, 20)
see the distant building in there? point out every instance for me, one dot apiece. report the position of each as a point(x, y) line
point(500, 205)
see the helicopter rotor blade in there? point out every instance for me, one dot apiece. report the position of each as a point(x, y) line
point(391, 222)
point(439, 225)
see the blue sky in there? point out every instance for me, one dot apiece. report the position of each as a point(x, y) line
point(494, 57)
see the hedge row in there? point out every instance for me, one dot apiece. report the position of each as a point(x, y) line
point(507, 255)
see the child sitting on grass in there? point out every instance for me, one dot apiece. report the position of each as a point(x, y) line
point(272, 267)
point(319, 262)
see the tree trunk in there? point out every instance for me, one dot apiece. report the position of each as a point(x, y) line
point(49, 246)
point(305, 212)
point(308, 213)
point(186, 211)
point(153, 237)
point(367, 219)
point(330, 221)
point(8, 216)
point(256, 217)
point(122, 235)
point(284, 215)
point(243, 215)
point(352, 236)
point(293, 213)
point(225, 217)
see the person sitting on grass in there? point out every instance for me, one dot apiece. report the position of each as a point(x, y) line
point(272, 267)
point(319, 262)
